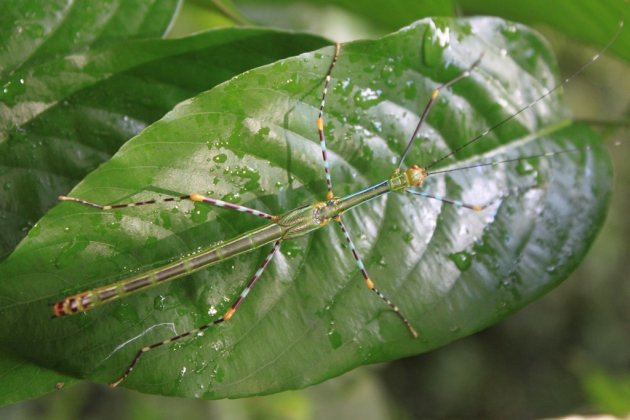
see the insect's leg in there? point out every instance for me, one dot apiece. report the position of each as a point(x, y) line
point(480, 207)
point(434, 95)
point(192, 197)
point(226, 316)
point(320, 122)
point(475, 207)
point(369, 283)
point(456, 203)
point(220, 203)
point(123, 205)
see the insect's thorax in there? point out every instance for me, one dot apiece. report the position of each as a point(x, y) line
point(305, 219)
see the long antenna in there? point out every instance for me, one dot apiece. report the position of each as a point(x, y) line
point(531, 104)
point(498, 162)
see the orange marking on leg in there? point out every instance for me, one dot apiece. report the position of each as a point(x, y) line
point(329, 196)
point(320, 124)
point(369, 283)
point(229, 314)
point(196, 197)
point(413, 332)
point(116, 383)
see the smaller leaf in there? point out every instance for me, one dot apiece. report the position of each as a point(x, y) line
point(39, 30)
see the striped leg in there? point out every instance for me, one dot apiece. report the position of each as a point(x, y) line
point(226, 317)
point(193, 197)
point(320, 123)
point(475, 207)
point(478, 207)
point(456, 203)
point(369, 283)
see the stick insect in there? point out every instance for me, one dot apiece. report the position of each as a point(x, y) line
point(299, 221)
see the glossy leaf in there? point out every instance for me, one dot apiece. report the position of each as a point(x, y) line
point(31, 34)
point(38, 30)
point(252, 140)
point(105, 97)
point(592, 22)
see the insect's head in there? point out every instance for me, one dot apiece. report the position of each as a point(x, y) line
point(415, 175)
point(412, 177)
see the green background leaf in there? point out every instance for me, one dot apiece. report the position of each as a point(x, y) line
point(368, 17)
point(37, 30)
point(253, 140)
point(591, 22)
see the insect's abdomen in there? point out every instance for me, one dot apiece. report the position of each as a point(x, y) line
point(87, 300)
point(73, 304)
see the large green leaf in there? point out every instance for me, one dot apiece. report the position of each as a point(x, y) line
point(93, 107)
point(253, 141)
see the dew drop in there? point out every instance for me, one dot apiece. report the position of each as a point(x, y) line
point(334, 337)
point(434, 42)
point(231, 197)
point(292, 249)
point(367, 97)
point(454, 329)
point(462, 260)
point(525, 167)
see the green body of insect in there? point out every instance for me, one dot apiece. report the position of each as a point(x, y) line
point(290, 225)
